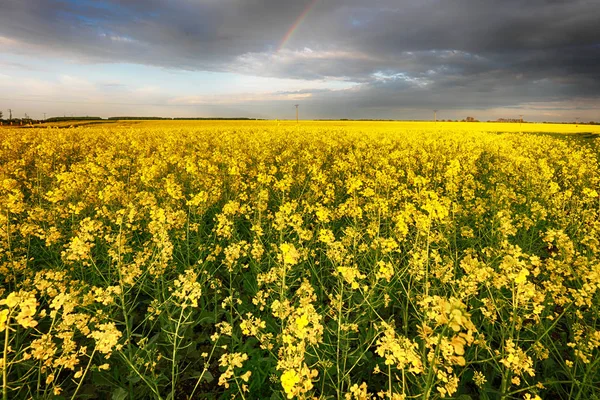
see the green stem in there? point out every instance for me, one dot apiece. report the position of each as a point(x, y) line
point(174, 361)
point(142, 377)
point(431, 372)
point(339, 328)
point(390, 381)
point(4, 361)
point(84, 374)
point(204, 370)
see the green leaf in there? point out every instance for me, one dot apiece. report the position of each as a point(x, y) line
point(207, 377)
point(119, 394)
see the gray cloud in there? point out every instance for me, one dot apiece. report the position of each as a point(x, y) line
point(442, 54)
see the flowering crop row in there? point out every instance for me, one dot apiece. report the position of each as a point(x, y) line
point(257, 260)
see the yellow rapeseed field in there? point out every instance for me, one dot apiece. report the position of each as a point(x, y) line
point(273, 260)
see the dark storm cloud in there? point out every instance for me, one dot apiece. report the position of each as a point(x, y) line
point(181, 34)
point(467, 53)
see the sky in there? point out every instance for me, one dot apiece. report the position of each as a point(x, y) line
point(355, 59)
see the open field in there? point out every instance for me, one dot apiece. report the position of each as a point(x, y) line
point(384, 126)
point(265, 259)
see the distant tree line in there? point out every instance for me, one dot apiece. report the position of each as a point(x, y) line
point(509, 120)
point(571, 123)
point(63, 119)
point(138, 118)
point(27, 120)
point(219, 119)
point(182, 119)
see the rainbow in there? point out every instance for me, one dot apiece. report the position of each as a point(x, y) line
point(296, 24)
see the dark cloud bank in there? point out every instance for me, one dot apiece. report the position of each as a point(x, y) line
point(455, 54)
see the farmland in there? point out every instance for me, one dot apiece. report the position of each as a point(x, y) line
point(264, 259)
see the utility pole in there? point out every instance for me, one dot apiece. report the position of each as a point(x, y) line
point(576, 122)
point(520, 119)
point(296, 112)
point(10, 114)
point(435, 115)
point(44, 116)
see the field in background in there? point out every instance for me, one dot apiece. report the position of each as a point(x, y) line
point(568, 129)
point(266, 259)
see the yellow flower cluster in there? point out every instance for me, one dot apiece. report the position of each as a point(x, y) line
point(24, 304)
point(107, 338)
point(517, 361)
point(231, 362)
point(302, 331)
point(399, 351)
point(187, 290)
